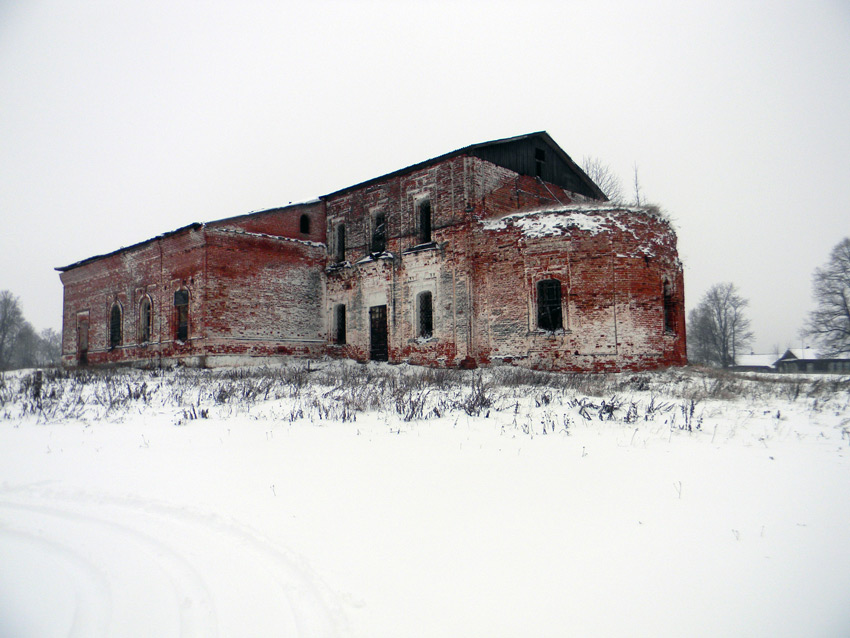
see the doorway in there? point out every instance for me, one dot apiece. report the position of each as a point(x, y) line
point(378, 349)
point(83, 340)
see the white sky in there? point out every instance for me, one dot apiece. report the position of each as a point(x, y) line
point(123, 120)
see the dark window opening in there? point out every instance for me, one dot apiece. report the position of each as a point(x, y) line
point(181, 306)
point(425, 222)
point(340, 242)
point(539, 161)
point(145, 320)
point(669, 309)
point(115, 326)
point(83, 340)
point(426, 315)
point(379, 234)
point(549, 313)
point(339, 320)
point(305, 225)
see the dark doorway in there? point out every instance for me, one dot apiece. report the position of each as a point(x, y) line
point(378, 350)
point(83, 341)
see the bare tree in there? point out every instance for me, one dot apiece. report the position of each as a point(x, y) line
point(25, 349)
point(49, 347)
point(638, 190)
point(606, 179)
point(829, 323)
point(11, 321)
point(718, 328)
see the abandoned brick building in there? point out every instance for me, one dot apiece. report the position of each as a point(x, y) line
point(501, 252)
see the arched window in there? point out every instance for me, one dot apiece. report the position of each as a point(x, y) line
point(339, 325)
point(181, 315)
point(305, 224)
point(115, 326)
point(549, 314)
point(669, 308)
point(426, 315)
point(145, 320)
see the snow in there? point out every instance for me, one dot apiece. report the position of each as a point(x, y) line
point(288, 515)
point(590, 218)
point(763, 360)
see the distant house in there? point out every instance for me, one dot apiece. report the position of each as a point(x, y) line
point(754, 363)
point(808, 360)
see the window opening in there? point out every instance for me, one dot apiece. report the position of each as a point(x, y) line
point(340, 242)
point(539, 161)
point(115, 326)
point(669, 309)
point(426, 315)
point(305, 224)
point(425, 221)
point(145, 317)
point(181, 306)
point(549, 313)
point(83, 339)
point(339, 320)
point(379, 233)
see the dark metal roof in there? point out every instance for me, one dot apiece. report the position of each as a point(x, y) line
point(192, 226)
point(475, 150)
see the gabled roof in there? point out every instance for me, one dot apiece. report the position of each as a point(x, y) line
point(800, 353)
point(485, 150)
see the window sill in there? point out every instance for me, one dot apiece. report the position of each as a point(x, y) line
point(540, 332)
point(336, 266)
point(431, 245)
point(372, 257)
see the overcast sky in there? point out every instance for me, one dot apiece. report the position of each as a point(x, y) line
point(122, 120)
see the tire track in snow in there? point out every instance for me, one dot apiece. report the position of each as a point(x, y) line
point(92, 596)
point(132, 563)
point(230, 569)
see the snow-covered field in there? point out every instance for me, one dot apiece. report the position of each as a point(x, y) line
point(370, 500)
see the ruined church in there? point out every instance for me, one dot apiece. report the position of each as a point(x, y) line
point(503, 252)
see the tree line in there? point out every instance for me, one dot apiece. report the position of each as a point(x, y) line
point(719, 330)
point(20, 345)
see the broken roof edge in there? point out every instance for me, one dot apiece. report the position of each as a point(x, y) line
point(83, 262)
point(237, 231)
point(273, 209)
point(193, 225)
point(583, 207)
point(466, 150)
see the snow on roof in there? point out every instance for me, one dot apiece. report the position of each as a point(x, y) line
point(756, 360)
point(801, 353)
point(592, 218)
point(237, 231)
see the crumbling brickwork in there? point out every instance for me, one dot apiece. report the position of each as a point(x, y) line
point(464, 260)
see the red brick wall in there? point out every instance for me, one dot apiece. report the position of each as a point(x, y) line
point(157, 269)
point(282, 222)
point(264, 295)
point(612, 281)
point(259, 287)
point(483, 282)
